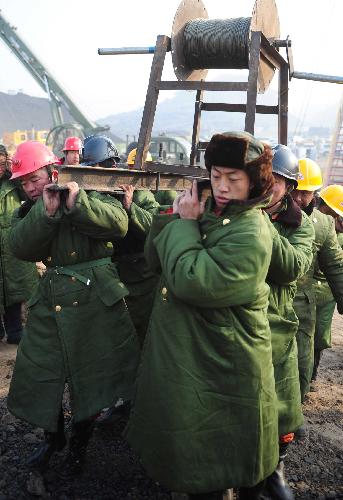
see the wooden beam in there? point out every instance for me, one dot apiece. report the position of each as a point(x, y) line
point(162, 47)
point(255, 46)
point(196, 125)
point(239, 108)
point(202, 85)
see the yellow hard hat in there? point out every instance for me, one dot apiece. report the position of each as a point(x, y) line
point(132, 156)
point(310, 176)
point(333, 197)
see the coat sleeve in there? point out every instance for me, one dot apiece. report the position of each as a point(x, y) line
point(98, 216)
point(292, 255)
point(330, 261)
point(30, 236)
point(143, 208)
point(230, 273)
point(158, 223)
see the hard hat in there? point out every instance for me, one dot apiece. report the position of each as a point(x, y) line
point(132, 157)
point(310, 176)
point(98, 148)
point(31, 156)
point(285, 163)
point(72, 144)
point(333, 197)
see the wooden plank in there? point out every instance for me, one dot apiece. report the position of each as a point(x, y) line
point(239, 108)
point(202, 85)
point(255, 46)
point(108, 180)
point(190, 170)
point(196, 125)
point(162, 46)
point(283, 105)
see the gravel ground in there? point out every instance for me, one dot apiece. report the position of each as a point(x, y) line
point(314, 467)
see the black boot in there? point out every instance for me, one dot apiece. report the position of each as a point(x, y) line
point(253, 493)
point(212, 495)
point(276, 485)
point(53, 441)
point(80, 434)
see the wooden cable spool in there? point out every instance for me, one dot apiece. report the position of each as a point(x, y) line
point(199, 43)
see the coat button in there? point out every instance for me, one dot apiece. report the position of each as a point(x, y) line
point(73, 278)
point(72, 254)
point(121, 284)
point(314, 220)
point(75, 304)
point(226, 221)
point(58, 309)
point(204, 236)
point(164, 291)
point(49, 259)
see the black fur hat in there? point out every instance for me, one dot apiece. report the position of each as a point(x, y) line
point(233, 149)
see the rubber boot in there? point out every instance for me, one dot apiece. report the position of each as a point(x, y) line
point(53, 442)
point(276, 485)
point(253, 493)
point(212, 495)
point(80, 434)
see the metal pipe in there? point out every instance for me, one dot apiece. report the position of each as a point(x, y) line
point(126, 50)
point(316, 77)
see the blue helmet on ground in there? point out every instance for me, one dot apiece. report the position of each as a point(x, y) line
point(285, 163)
point(98, 148)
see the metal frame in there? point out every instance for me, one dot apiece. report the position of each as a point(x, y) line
point(259, 48)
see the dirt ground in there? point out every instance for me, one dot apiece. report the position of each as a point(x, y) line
point(314, 467)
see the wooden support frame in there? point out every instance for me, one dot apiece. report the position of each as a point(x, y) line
point(259, 48)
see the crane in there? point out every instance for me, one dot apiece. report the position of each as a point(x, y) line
point(58, 97)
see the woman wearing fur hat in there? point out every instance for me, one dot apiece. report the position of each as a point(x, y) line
point(205, 414)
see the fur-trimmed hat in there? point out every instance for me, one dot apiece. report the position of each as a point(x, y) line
point(233, 150)
point(3, 150)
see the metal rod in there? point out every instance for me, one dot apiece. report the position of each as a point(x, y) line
point(316, 77)
point(281, 43)
point(126, 50)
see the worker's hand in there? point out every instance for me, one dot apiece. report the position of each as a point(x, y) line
point(73, 191)
point(128, 195)
point(51, 200)
point(189, 206)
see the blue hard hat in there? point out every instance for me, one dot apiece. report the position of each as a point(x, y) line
point(285, 163)
point(98, 148)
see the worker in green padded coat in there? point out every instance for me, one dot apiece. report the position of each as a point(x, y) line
point(291, 258)
point(78, 329)
point(328, 255)
point(205, 415)
point(330, 203)
point(18, 279)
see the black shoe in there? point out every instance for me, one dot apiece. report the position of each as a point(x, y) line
point(41, 456)
point(276, 485)
point(81, 432)
point(53, 441)
point(301, 433)
point(253, 493)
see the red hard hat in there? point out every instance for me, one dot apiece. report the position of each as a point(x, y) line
point(72, 144)
point(31, 156)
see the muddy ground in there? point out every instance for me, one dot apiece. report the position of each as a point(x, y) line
point(314, 467)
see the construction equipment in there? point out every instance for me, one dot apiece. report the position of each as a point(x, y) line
point(198, 43)
point(58, 97)
point(334, 171)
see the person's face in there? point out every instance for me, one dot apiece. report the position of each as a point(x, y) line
point(72, 158)
point(325, 209)
point(33, 183)
point(3, 164)
point(280, 188)
point(302, 198)
point(229, 184)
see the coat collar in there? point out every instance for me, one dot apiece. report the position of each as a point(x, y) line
point(290, 215)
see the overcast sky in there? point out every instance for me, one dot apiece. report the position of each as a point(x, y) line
point(66, 34)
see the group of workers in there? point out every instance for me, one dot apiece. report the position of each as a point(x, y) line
point(198, 316)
